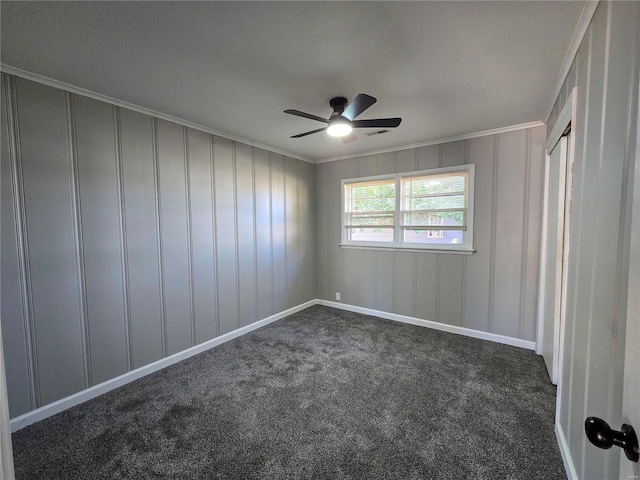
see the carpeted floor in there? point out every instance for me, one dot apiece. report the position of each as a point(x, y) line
point(322, 394)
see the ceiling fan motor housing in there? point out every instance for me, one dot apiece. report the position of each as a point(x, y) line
point(338, 104)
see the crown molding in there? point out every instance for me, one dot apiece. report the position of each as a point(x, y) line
point(170, 118)
point(147, 111)
point(438, 141)
point(578, 35)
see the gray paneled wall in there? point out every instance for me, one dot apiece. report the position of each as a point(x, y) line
point(126, 239)
point(494, 290)
point(605, 72)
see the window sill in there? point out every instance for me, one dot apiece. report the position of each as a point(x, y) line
point(410, 250)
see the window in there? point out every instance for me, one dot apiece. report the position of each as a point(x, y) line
point(430, 209)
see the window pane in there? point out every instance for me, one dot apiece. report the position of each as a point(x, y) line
point(435, 184)
point(450, 218)
point(370, 234)
point(433, 236)
point(430, 203)
point(370, 211)
point(433, 201)
point(369, 219)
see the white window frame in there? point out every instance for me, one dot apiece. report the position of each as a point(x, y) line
point(466, 247)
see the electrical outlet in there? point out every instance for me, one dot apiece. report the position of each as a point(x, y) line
point(337, 295)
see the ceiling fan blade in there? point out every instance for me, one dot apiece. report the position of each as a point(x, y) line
point(309, 133)
point(349, 138)
point(376, 122)
point(298, 113)
point(358, 105)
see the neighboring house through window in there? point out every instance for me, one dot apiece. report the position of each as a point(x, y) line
point(426, 210)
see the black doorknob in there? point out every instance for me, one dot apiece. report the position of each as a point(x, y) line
point(600, 434)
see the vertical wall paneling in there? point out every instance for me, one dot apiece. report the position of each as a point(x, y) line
point(278, 232)
point(234, 173)
point(367, 268)
point(609, 267)
point(450, 290)
point(493, 221)
point(126, 238)
point(585, 255)
point(524, 264)
point(202, 229)
point(428, 157)
point(292, 269)
point(255, 233)
point(98, 206)
point(332, 225)
point(175, 235)
point(350, 277)
point(214, 245)
point(406, 160)
point(366, 166)
point(454, 289)
point(189, 217)
point(605, 72)
point(122, 235)
point(78, 240)
point(476, 305)
point(320, 173)
point(15, 300)
point(305, 230)
point(508, 238)
point(49, 216)
point(245, 228)
point(405, 283)
point(533, 206)
point(427, 286)
point(141, 236)
point(384, 280)
point(263, 232)
point(225, 236)
point(159, 236)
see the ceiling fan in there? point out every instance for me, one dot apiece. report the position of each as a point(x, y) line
point(342, 120)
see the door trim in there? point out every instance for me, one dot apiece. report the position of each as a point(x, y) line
point(566, 117)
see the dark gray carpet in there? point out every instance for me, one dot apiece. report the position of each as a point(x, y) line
point(322, 394)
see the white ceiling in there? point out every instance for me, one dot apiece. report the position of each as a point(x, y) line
point(446, 68)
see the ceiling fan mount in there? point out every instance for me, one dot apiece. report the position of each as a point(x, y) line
point(342, 120)
point(338, 104)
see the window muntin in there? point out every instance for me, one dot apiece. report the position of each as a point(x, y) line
point(429, 209)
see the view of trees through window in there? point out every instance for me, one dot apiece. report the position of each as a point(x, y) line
point(432, 208)
point(371, 207)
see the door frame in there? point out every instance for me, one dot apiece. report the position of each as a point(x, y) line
point(566, 118)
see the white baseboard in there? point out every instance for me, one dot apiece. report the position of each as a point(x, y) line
point(77, 398)
point(467, 332)
point(566, 454)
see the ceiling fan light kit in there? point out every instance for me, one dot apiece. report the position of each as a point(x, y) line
point(339, 128)
point(342, 120)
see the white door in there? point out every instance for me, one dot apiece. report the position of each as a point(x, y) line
point(553, 255)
